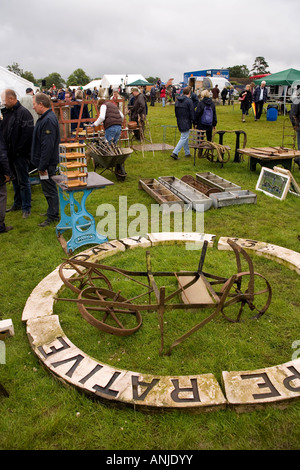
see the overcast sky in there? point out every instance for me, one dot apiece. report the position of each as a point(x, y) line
point(152, 38)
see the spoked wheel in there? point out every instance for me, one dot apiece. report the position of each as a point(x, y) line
point(249, 291)
point(86, 276)
point(117, 317)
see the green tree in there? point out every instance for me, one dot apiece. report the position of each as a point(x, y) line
point(78, 77)
point(15, 68)
point(56, 79)
point(239, 71)
point(29, 76)
point(152, 79)
point(260, 66)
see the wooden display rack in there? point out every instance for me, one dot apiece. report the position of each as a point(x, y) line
point(72, 164)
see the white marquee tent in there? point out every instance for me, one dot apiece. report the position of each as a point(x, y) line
point(92, 85)
point(11, 80)
point(116, 80)
point(113, 80)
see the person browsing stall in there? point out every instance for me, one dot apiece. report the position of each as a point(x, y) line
point(111, 118)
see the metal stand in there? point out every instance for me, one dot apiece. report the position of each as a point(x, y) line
point(237, 156)
point(74, 215)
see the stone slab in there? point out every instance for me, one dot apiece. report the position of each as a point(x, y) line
point(40, 301)
point(277, 384)
point(101, 251)
point(288, 258)
point(6, 328)
point(74, 367)
point(135, 242)
point(169, 238)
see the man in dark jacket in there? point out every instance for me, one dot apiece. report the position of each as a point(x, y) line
point(224, 93)
point(184, 112)
point(138, 111)
point(152, 96)
point(45, 153)
point(17, 128)
point(260, 97)
point(5, 175)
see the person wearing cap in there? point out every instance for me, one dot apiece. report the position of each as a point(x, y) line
point(27, 102)
point(111, 118)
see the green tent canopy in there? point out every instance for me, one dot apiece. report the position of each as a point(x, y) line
point(285, 78)
point(139, 83)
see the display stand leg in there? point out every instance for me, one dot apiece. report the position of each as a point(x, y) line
point(76, 218)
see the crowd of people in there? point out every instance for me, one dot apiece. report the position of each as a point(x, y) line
point(30, 133)
point(201, 114)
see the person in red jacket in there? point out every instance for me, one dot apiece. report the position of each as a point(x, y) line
point(163, 95)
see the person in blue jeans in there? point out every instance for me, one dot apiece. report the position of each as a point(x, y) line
point(185, 115)
point(111, 118)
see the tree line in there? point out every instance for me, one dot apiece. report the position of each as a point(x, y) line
point(80, 78)
point(259, 67)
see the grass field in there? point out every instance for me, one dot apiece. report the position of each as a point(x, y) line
point(43, 414)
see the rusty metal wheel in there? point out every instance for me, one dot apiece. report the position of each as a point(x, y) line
point(256, 294)
point(117, 316)
point(87, 275)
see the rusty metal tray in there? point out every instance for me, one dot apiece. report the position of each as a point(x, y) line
point(202, 187)
point(161, 194)
point(198, 201)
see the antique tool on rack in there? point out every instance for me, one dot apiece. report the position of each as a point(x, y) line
point(109, 157)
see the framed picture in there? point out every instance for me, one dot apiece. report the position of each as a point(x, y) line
point(273, 183)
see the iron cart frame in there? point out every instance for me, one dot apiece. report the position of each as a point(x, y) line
point(113, 304)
